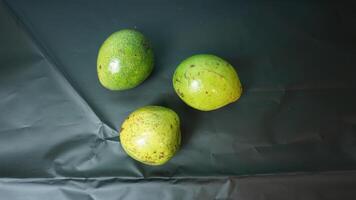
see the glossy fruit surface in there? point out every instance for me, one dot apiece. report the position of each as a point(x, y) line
point(206, 82)
point(151, 135)
point(125, 60)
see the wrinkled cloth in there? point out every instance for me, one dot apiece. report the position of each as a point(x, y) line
point(296, 61)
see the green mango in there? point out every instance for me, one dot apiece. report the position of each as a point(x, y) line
point(125, 60)
point(206, 82)
point(151, 135)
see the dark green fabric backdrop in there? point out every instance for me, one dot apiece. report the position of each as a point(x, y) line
point(296, 61)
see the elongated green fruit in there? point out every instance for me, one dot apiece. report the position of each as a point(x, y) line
point(206, 82)
point(125, 60)
point(151, 135)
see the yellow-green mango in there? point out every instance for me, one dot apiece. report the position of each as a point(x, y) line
point(125, 60)
point(206, 82)
point(151, 135)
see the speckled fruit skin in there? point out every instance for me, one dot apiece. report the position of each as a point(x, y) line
point(125, 60)
point(151, 135)
point(206, 82)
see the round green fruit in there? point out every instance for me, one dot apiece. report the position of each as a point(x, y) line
point(206, 82)
point(151, 135)
point(125, 60)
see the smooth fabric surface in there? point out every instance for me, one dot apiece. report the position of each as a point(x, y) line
point(296, 61)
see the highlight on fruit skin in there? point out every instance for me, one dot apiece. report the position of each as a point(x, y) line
point(125, 60)
point(151, 135)
point(206, 82)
